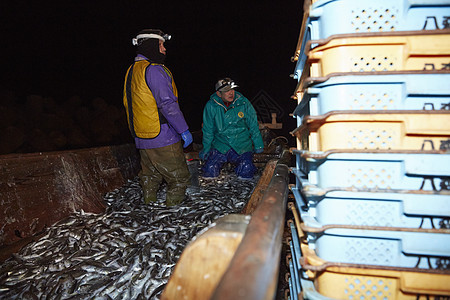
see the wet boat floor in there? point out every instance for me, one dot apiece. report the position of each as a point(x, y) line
point(128, 252)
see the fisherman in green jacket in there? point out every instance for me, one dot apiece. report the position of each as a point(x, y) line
point(230, 132)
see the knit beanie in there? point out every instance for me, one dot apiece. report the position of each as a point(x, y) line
point(150, 49)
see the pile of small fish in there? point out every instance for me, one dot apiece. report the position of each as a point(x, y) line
point(129, 252)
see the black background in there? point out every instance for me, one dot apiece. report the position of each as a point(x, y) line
point(66, 48)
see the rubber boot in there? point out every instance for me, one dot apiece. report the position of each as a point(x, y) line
point(149, 190)
point(168, 162)
point(176, 186)
point(214, 164)
point(245, 168)
point(172, 201)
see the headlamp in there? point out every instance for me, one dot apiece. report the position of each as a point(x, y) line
point(142, 37)
point(226, 83)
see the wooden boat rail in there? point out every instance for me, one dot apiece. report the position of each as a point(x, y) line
point(238, 261)
point(253, 271)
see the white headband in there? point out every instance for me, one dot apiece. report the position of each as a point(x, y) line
point(147, 35)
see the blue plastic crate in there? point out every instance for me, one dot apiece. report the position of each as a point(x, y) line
point(330, 17)
point(400, 91)
point(425, 248)
point(411, 209)
point(407, 170)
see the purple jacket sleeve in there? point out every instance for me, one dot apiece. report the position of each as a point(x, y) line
point(160, 84)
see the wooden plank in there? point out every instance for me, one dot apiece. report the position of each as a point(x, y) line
point(205, 259)
point(260, 188)
point(253, 271)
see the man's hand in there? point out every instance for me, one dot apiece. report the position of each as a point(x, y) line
point(187, 138)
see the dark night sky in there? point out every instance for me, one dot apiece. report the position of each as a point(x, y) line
point(65, 48)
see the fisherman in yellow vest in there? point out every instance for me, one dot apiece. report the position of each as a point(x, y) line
point(155, 120)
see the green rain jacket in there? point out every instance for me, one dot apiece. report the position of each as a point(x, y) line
point(235, 126)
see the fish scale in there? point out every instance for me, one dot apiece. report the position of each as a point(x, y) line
point(128, 252)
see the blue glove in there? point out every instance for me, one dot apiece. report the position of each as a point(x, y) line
point(187, 138)
point(259, 150)
point(203, 155)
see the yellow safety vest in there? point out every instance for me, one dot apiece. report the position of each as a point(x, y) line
point(140, 104)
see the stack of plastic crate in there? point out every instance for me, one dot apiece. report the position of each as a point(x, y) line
point(372, 192)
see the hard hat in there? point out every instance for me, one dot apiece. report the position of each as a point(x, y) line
point(150, 34)
point(225, 84)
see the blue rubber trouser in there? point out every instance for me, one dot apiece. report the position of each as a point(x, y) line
point(244, 163)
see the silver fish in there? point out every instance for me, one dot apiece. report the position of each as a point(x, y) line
point(127, 252)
